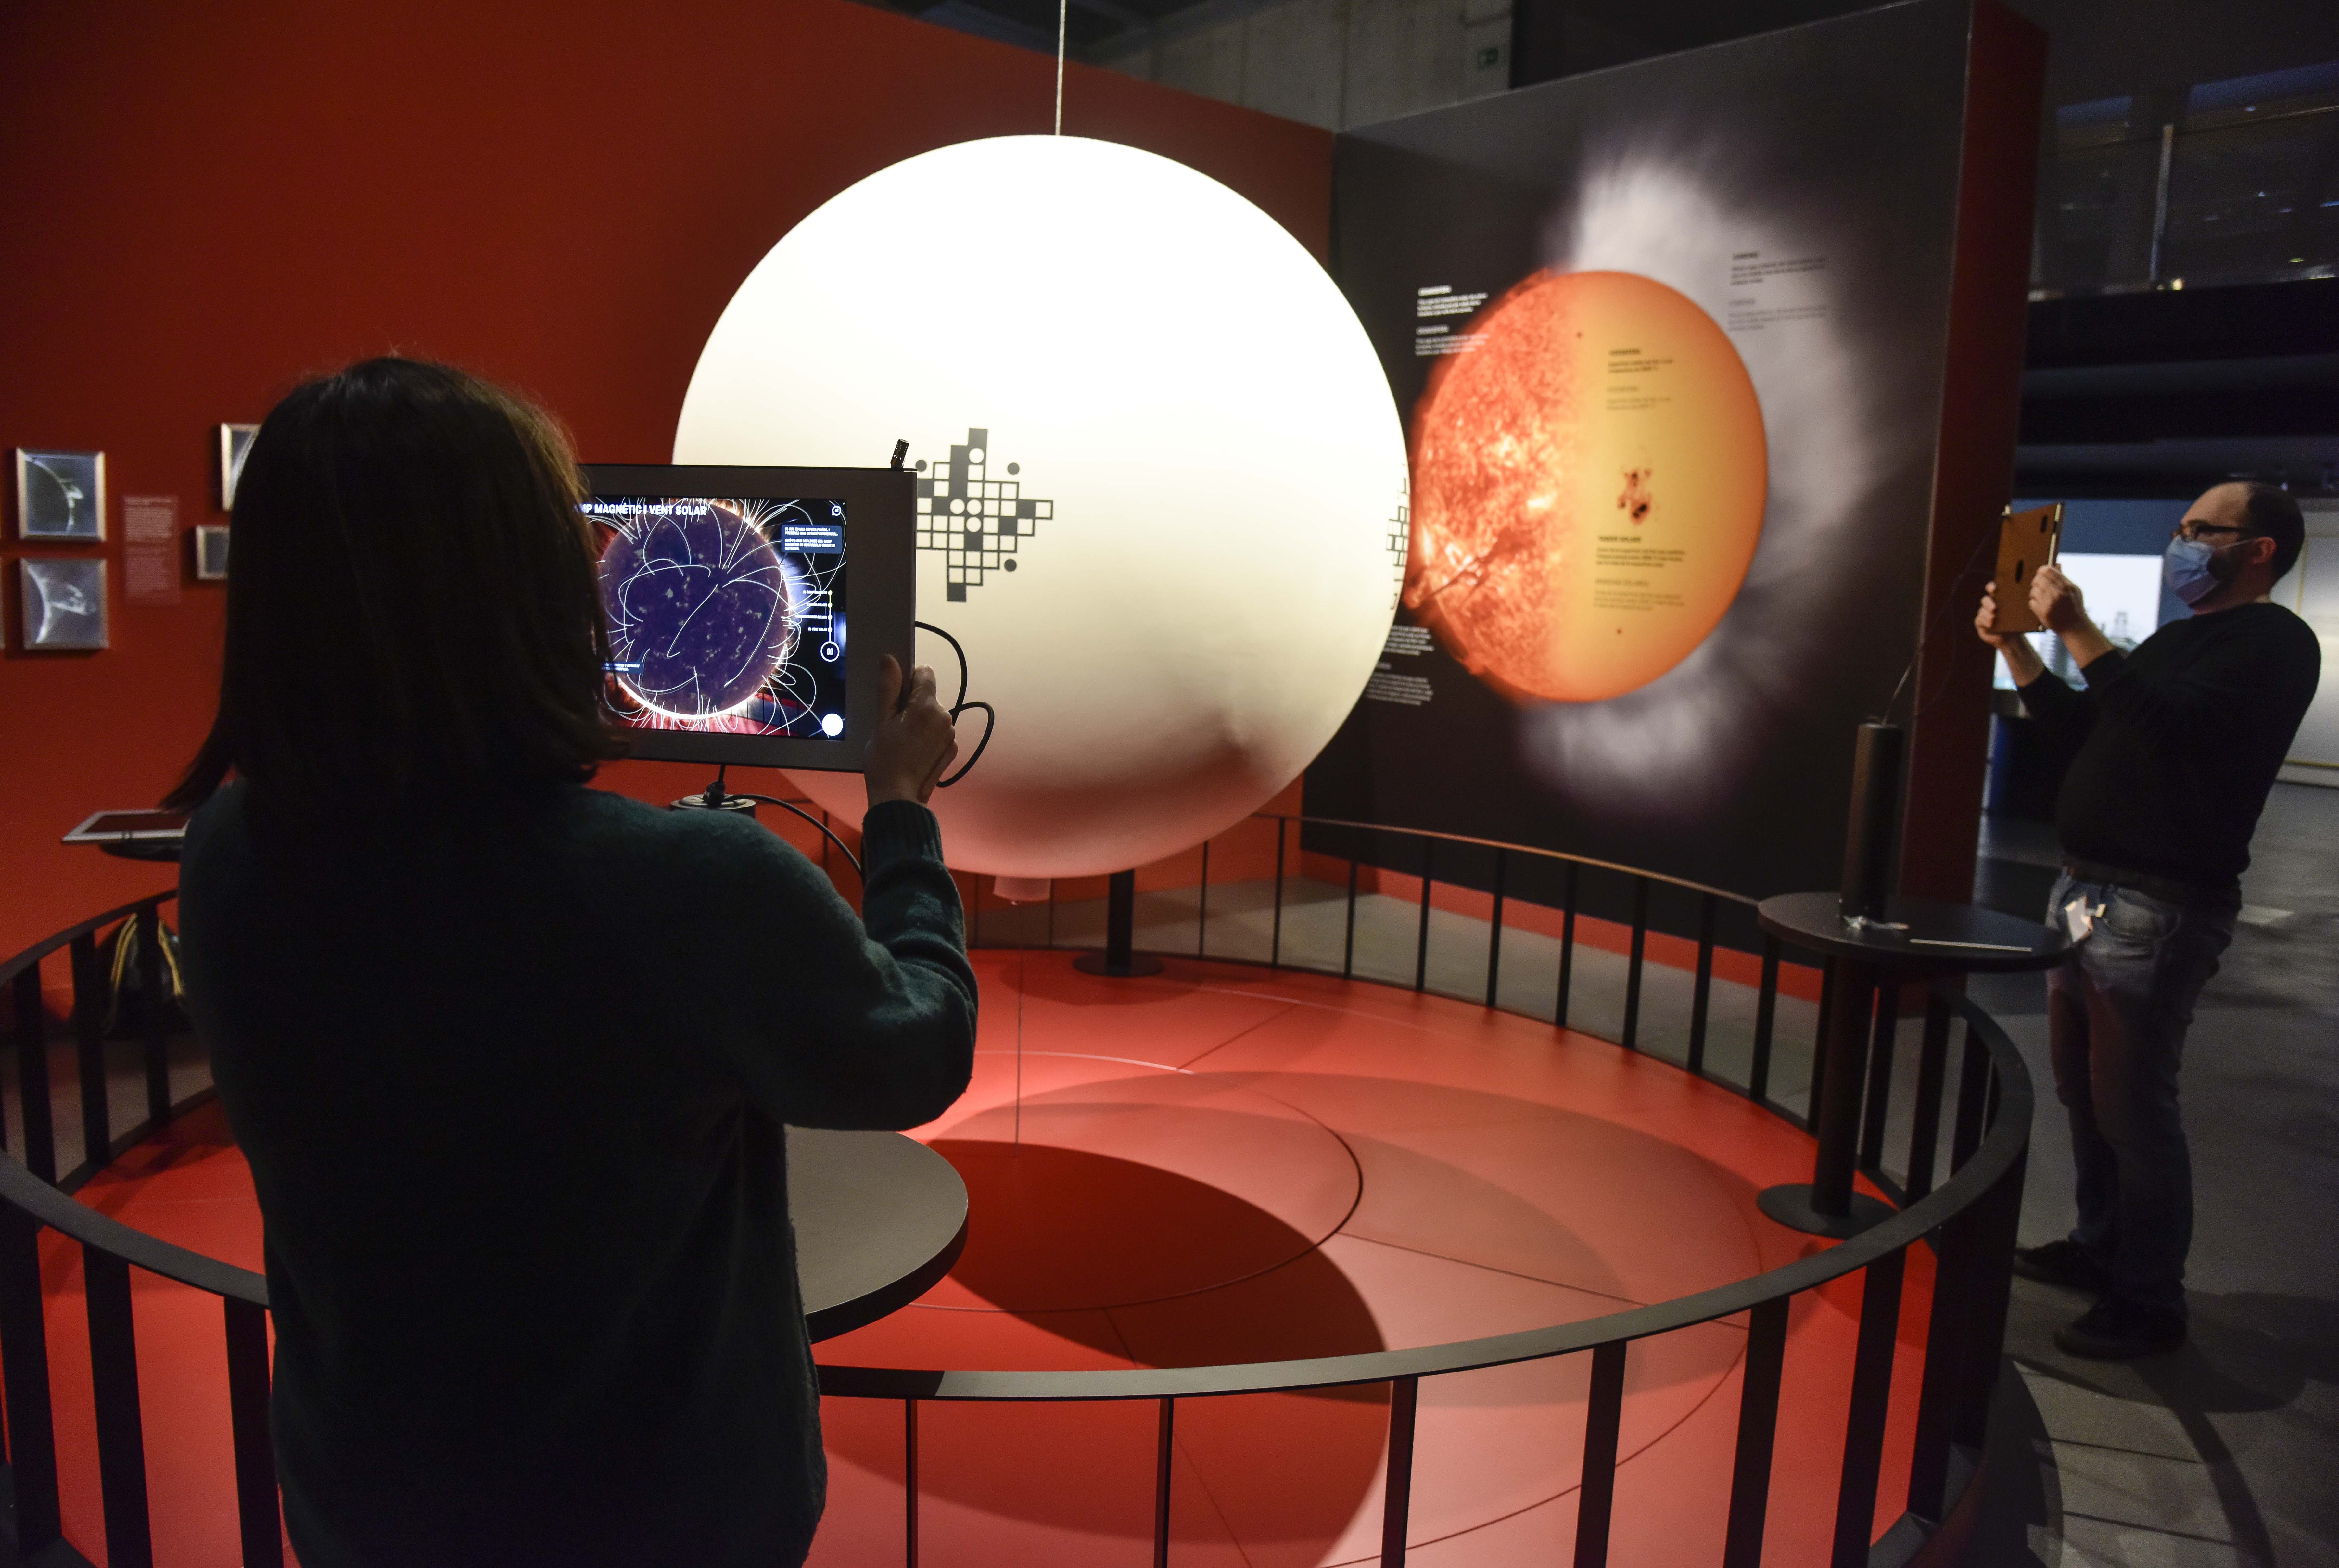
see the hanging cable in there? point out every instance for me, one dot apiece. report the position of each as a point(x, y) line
point(1063, 23)
point(989, 714)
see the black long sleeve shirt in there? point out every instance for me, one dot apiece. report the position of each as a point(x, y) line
point(2174, 747)
point(512, 1095)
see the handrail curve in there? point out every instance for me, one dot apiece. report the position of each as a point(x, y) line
point(1969, 1208)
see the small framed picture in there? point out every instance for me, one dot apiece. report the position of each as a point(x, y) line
point(235, 442)
point(211, 553)
point(63, 601)
point(60, 495)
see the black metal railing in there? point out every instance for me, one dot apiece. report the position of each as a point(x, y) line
point(1967, 1219)
point(33, 1198)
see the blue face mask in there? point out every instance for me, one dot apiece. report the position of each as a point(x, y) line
point(2189, 568)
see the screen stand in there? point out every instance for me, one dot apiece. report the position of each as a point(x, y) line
point(713, 797)
point(1118, 959)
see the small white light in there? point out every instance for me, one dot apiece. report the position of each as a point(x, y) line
point(831, 724)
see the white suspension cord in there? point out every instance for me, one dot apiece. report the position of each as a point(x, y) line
point(1063, 19)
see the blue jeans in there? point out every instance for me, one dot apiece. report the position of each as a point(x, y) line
point(2117, 1013)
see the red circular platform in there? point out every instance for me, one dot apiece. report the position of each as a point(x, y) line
point(1221, 1164)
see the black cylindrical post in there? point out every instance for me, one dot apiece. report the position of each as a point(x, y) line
point(1119, 919)
point(1871, 844)
point(1120, 956)
point(1839, 1089)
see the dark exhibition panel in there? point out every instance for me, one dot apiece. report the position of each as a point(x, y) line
point(1848, 230)
point(1509, 964)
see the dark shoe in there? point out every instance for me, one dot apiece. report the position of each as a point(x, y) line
point(2063, 1263)
point(2116, 1330)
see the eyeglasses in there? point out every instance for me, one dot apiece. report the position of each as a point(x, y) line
point(2192, 533)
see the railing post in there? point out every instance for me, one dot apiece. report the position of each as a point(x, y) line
point(89, 1052)
point(1700, 998)
point(151, 970)
point(1883, 1043)
point(260, 1526)
point(1973, 1081)
point(1421, 943)
point(1632, 1040)
point(1566, 942)
point(1494, 929)
point(1932, 1059)
point(1758, 1434)
point(1603, 1418)
point(1275, 944)
point(1766, 1019)
point(24, 1364)
point(114, 1389)
point(910, 1483)
point(1161, 1483)
point(1872, 1395)
point(1348, 942)
point(1967, 1334)
point(1396, 1497)
point(32, 1075)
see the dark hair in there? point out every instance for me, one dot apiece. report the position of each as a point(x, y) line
point(2271, 510)
point(413, 616)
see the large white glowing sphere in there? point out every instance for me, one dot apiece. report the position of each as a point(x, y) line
point(1169, 477)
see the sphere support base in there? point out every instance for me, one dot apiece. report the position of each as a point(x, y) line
point(1790, 1205)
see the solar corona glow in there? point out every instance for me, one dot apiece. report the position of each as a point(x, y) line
point(1589, 479)
point(709, 616)
point(1158, 469)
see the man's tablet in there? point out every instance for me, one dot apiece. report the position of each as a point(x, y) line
point(2026, 542)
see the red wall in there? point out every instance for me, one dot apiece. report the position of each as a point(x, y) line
point(213, 203)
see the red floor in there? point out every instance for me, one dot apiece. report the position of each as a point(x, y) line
point(1216, 1165)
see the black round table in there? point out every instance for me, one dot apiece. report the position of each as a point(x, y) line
point(879, 1217)
point(1919, 939)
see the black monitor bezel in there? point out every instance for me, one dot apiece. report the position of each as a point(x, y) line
point(881, 596)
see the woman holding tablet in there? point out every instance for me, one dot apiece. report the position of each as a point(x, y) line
point(509, 1055)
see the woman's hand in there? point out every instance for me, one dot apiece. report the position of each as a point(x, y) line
point(914, 743)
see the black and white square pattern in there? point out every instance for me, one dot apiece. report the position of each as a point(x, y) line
point(975, 515)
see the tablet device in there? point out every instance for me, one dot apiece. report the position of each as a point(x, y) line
point(750, 609)
point(149, 825)
point(2026, 542)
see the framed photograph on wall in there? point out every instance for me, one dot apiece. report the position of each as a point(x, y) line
point(63, 601)
point(211, 553)
point(60, 495)
point(234, 440)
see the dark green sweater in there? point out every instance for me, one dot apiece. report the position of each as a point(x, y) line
point(513, 1092)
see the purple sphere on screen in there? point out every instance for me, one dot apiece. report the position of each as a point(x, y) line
point(701, 609)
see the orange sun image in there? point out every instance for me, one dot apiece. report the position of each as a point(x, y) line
point(1588, 481)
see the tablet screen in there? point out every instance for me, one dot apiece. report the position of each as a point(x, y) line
point(725, 614)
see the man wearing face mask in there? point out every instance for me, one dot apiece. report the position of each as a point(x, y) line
point(2174, 748)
